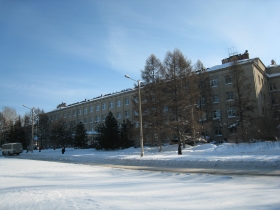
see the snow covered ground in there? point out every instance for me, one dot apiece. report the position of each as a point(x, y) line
point(74, 180)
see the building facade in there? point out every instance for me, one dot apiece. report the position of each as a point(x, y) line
point(264, 81)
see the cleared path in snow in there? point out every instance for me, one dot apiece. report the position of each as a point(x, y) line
point(258, 172)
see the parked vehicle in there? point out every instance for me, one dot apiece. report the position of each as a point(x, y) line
point(11, 148)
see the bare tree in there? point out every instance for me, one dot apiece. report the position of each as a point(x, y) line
point(243, 102)
point(153, 100)
point(205, 99)
point(177, 73)
point(8, 117)
point(9, 114)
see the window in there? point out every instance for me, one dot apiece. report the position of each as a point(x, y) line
point(228, 79)
point(85, 120)
point(229, 96)
point(126, 113)
point(104, 106)
point(126, 101)
point(69, 114)
point(165, 108)
point(201, 101)
point(214, 82)
point(103, 117)
point(91, 120)
point(215, 99)
point(272, 87)
point(274, 102)
point(97, 108)
point(259, 79)
point(216, 114)
point(85, 110)
point(97, 119)
point(276, 115)
point(136, 113)
point(119, 103)
point(218, 131)
point(202, 117)
point(119, 115)
point(232, 129)
point(74, 122)
point(64, 115)
point(111, 105)
point(135, 99)
point(91, 109)
point(79, 112)
point(231, 112)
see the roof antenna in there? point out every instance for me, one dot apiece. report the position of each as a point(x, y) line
point(232, 51)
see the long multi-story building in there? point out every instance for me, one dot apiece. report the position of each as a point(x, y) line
point(265, 84)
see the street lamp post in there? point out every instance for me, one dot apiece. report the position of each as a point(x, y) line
point(32, 127)
point(140, 115)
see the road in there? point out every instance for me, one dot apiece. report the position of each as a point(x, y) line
point(254, 172)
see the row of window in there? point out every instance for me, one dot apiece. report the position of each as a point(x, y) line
point(218, 130)
point(231, 112)
point(97, 118)
point(103, 117)
point(227, 80)
point(216, 98)
point(97, 108)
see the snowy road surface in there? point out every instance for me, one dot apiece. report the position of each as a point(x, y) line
point(29, 184)
point(50, 180)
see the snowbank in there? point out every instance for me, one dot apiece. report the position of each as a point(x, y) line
point(261, 155)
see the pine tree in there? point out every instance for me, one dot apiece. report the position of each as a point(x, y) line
point(108, 134)
point(80, 136)
point(44, 128)
point(60, 134)
point(126, 134)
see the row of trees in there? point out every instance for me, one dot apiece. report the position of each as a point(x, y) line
point(176, 103)
point(14, 128)
point(111, 134)
point(177, 99)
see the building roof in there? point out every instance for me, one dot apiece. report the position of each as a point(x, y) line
point(226, 65)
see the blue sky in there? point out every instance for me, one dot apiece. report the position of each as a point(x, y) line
point(66, 51)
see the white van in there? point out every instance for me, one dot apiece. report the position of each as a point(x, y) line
point(11, 148)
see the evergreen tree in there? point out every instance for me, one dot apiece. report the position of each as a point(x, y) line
point(60, 133)
point(108, 134)
point(80, 137)
point(126, 134)
point(44, 128)
point(18, 134)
